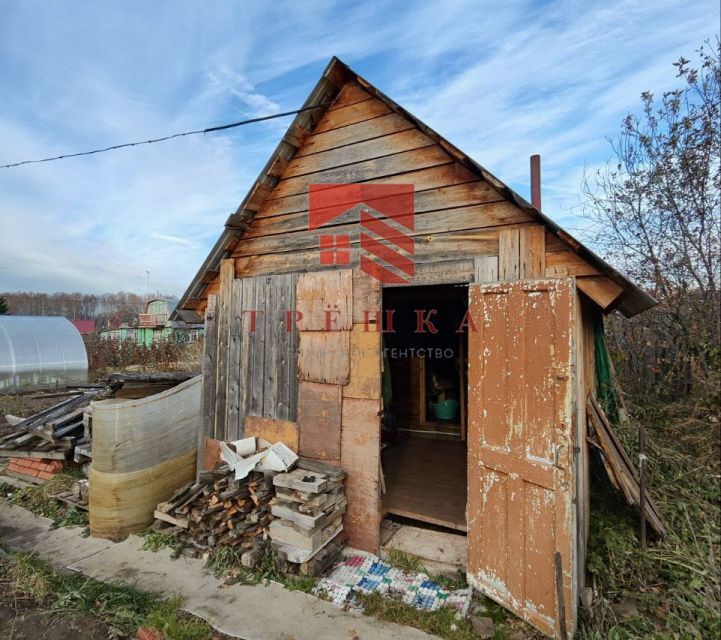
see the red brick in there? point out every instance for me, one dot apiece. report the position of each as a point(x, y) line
point(55, 466)
point(45, 475)
point(147, 633)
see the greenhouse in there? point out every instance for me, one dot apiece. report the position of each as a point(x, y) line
point(38, 351)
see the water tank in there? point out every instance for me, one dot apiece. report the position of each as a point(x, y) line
point(40, 351)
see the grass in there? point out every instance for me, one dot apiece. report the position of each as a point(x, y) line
point(442, 622)
point(36, 498)
point(156, 540)
point(675, 583)
point(122, 608)
point(225, 563)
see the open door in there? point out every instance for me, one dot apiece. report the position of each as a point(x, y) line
point(521, 408)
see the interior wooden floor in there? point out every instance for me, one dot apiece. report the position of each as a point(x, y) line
point(426, 480)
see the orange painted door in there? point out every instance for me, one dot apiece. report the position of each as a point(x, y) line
point(521, 512)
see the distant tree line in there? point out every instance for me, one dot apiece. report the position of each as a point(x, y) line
point(109, 310)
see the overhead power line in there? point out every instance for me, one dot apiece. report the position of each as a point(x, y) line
point(221, 127)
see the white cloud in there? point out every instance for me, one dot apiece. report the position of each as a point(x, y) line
point(501, 83)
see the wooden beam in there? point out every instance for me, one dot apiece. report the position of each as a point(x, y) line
point(601, 289)
point(509, 255)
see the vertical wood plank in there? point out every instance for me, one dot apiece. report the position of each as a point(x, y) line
point(232, 428)
point(283, 364)
point(257, 347)
point(533, 252)
point(508, 255)
point(485, 269)
point(273, 344)
point(292, 354)
point(360, 458)
point(227, 274)
point(248, 303)
point(207, 408)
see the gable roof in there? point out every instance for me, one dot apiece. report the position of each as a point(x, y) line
point(631, 301)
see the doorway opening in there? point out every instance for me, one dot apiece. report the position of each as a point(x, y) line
point(423, 439)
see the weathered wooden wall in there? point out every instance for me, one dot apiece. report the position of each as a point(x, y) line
point(339, 394)
point(458, 217)
point(249, 366)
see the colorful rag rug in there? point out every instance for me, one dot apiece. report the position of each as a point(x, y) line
point(368, 574)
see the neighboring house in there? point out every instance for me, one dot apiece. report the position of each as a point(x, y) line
point(154, 325)
point(85, 327)
point(493, 432)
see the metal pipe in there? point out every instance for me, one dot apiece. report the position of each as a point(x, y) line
point(536, 181)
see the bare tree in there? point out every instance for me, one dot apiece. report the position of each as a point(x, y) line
point(657, 208)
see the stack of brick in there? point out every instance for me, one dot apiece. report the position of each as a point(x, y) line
point(308, 509)
point(36, 470)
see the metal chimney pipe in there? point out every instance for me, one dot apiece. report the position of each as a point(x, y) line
point(536, 181)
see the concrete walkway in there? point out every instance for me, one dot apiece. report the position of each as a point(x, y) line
point(248, 612)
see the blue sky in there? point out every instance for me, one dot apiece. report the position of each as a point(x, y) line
point(500, 80)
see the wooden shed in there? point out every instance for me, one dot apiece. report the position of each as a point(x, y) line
point(469, 412)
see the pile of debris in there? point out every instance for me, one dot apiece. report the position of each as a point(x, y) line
point(50, 435)
point(64, 431)
point(218, 510)
point(76, 496)
point(309, 507)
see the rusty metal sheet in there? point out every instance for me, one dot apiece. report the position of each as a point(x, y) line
point(520, 449)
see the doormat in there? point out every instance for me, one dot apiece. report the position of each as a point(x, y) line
point(369, 574)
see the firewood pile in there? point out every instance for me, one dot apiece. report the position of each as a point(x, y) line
point(309, 506)
point(218, 510)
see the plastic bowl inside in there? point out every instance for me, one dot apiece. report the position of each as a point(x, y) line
point(446, 410)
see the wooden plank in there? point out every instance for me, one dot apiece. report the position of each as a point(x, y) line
point(508, 255)
point(485, 269)
point(246, 362)
point(360, 459)
point(366, 297)
point(324, 356)
point(225, 298)
point(358, 152)
point(422, 179)
point(256, 345)
point(482, 216)
point(319, 421)
point(350, 114)
point(273, 339)
point(366, 170)
point(602, 290)
point(273, 430)
point(442, 272)
point(350, 93)
point(438, 199)
point(281, 363)
point(232, 428)
point(574, 264)
point(351, 134)
point(429, 248)
point(318, 293)
point(292, 355)
point(365, 364)
point(532, 252)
